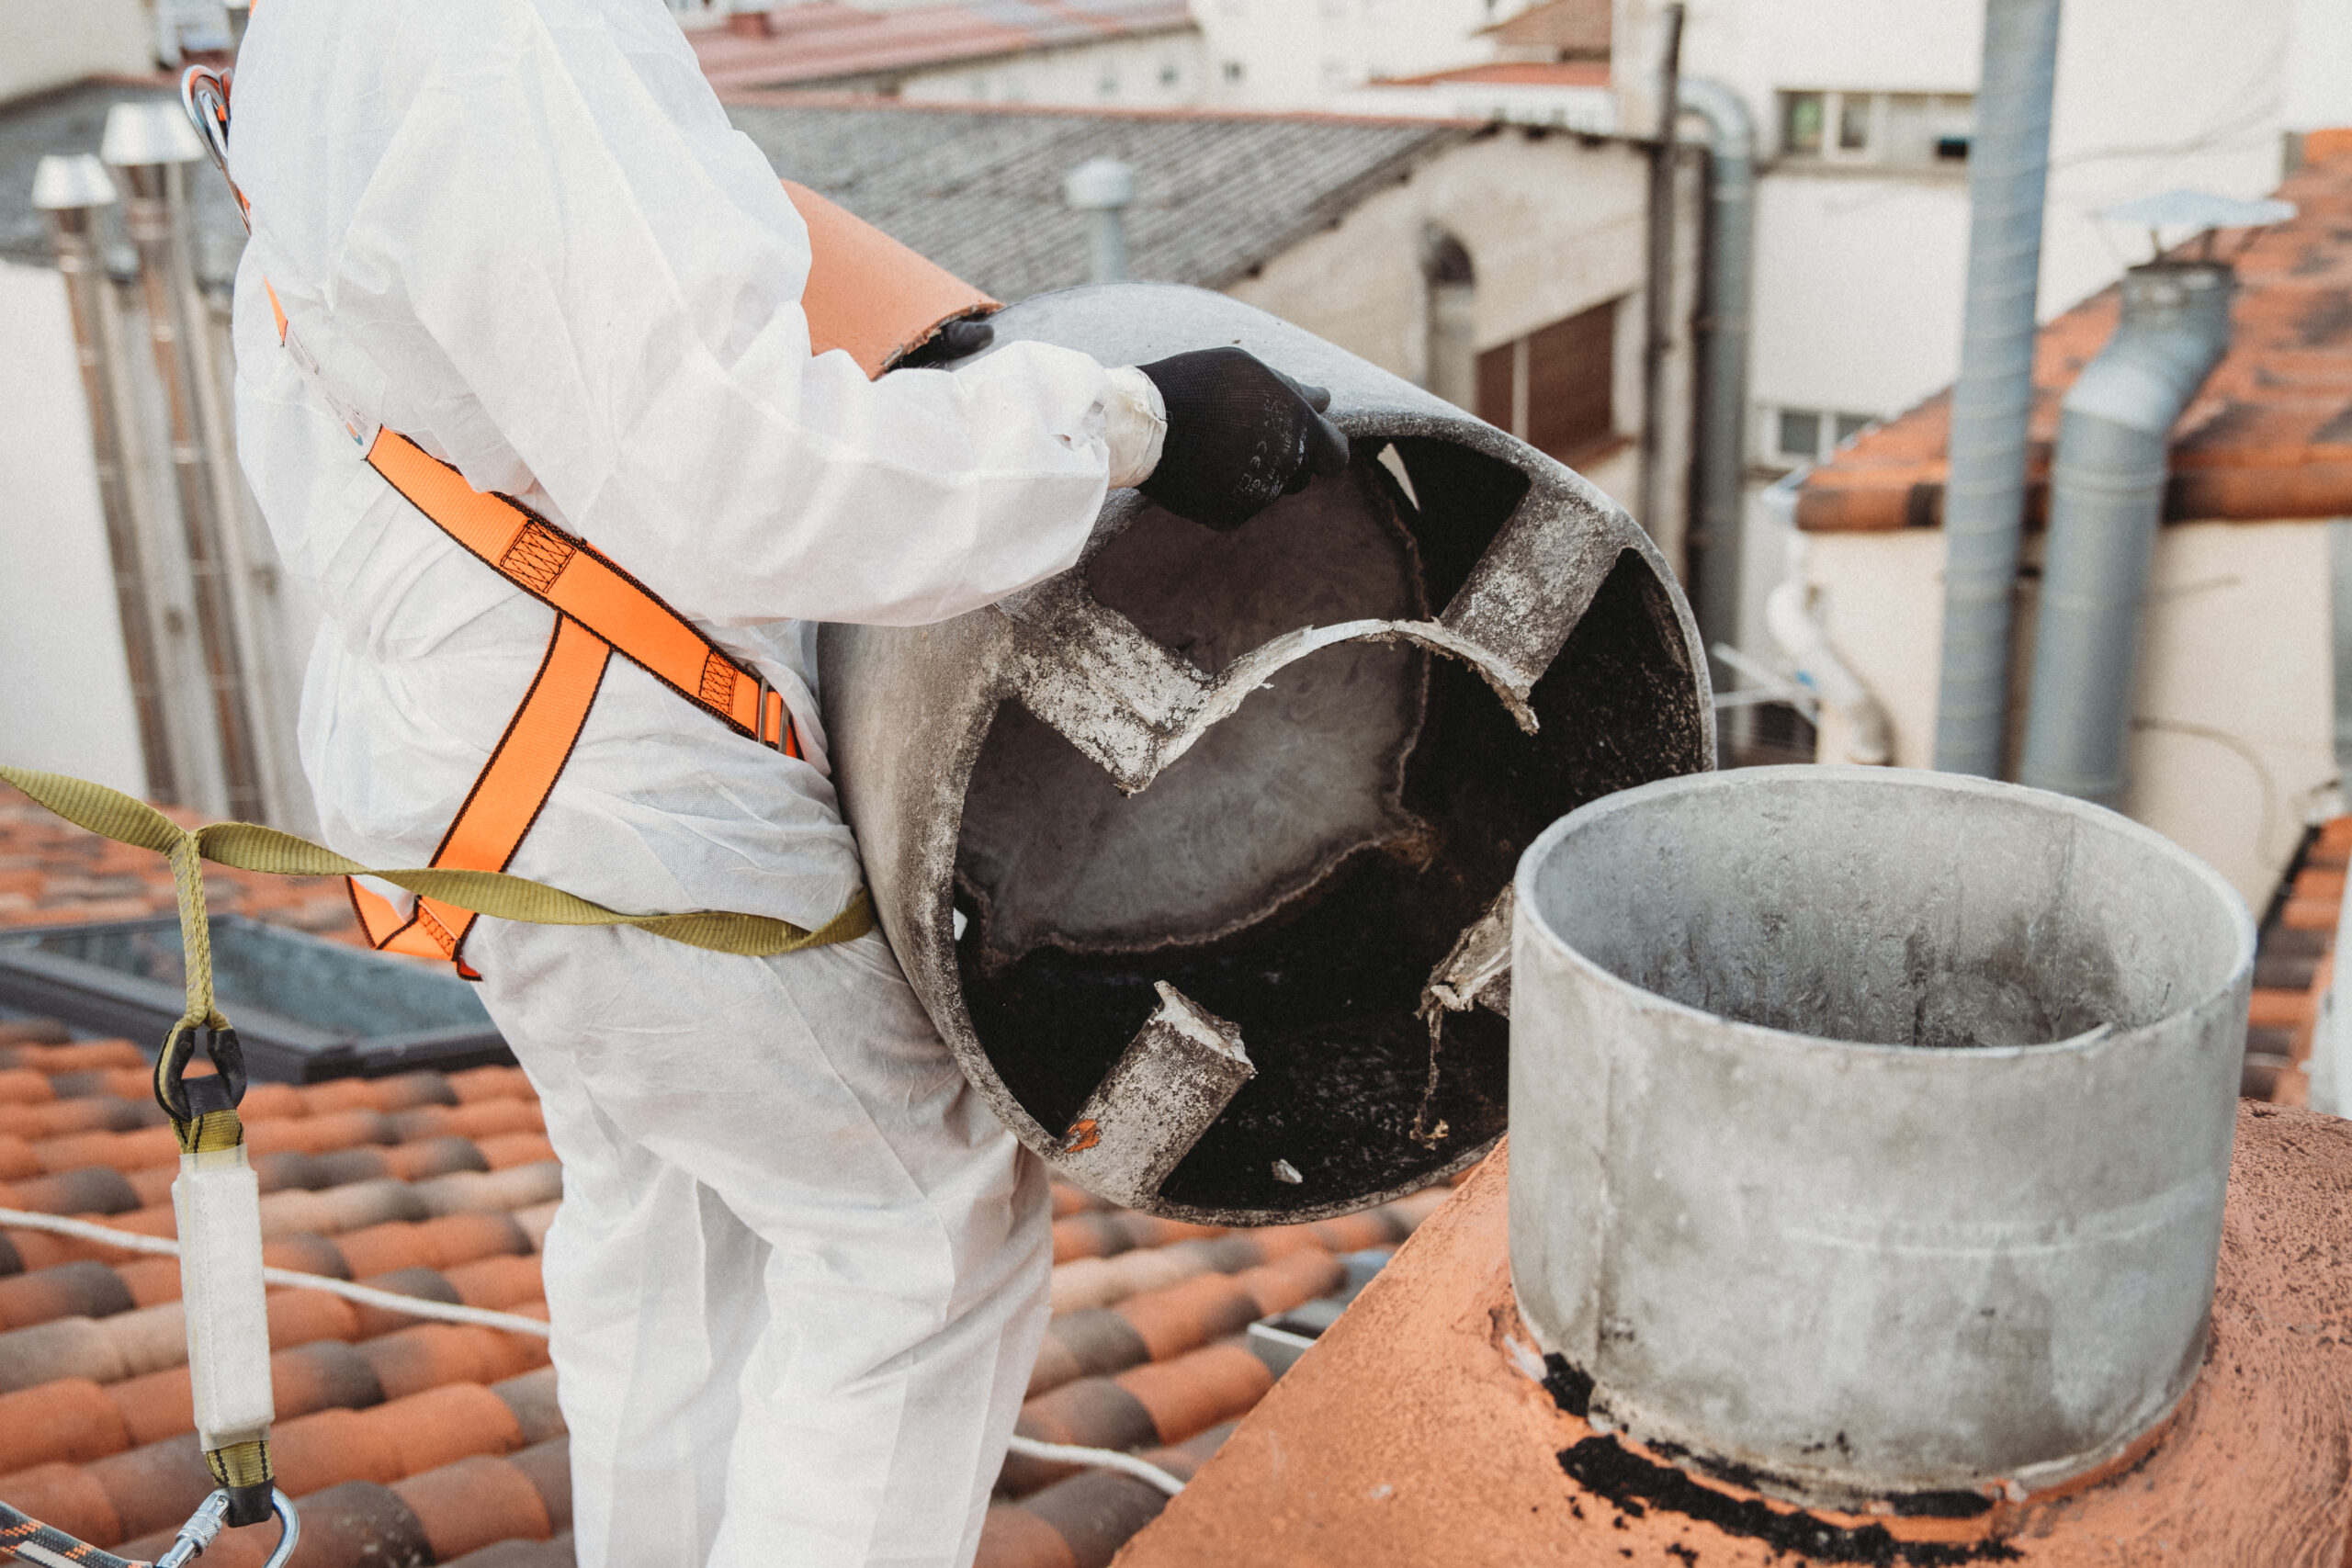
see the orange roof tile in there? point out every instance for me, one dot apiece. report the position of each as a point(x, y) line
point(2267, 436)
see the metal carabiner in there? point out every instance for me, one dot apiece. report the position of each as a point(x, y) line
point(203, 1528)
point(203, 93)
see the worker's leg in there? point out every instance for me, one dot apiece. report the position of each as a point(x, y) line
point(878, 1358)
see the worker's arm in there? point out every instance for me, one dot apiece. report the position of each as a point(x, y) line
point(522, 233)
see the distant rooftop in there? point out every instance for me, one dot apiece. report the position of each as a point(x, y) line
point(1558, 29)
point(2268, 437)
point(976, 190)
point(979, 190)
point(828, 42)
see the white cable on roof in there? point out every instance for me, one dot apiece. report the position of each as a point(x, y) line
point(366, 1295)
point(513, 1323)
point(1099, 1459)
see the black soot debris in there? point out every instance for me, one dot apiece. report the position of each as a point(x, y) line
point(1570, 1387)
point(1604, 1467)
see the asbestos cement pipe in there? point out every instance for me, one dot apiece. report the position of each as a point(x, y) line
point(2106, 502)
point(1723, 350)
point(1870, 1128)
point(2008, 168)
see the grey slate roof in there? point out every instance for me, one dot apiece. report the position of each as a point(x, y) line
point(980, 191)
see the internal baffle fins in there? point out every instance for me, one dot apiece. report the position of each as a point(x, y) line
point(1199, 853)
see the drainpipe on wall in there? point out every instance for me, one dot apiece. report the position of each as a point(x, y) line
point(2008, 166)
point(71, 190)
point(1658, 336)
point(1722, 352)
point(2106, 500)
point(1858, 730)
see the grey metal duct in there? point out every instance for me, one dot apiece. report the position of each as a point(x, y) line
point(2008, 165)
point(152, 144)
point(71, 190)
point(1722, 351)
point(2107, 498)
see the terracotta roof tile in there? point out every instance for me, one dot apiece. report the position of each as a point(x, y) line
point(473, 1503)
point(418, 1442)
point(1199, 1389)
point(2267, 436)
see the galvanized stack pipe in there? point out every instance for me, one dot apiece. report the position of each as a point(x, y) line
point(2008, 168)
point(150, 143)
point(1870, 1128)
point(72, 190)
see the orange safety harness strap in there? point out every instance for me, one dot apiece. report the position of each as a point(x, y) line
point(600, 610)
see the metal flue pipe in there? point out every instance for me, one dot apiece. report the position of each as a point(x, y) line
point(71, 190)
point(151, 143)
point(2106, 499)
point(2008, 166)
point(1722, 351)
point(1104, 187)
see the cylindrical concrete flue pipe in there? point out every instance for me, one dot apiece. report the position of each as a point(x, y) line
point(1199, 854)
point(1870, 1128)
point(2107, 495)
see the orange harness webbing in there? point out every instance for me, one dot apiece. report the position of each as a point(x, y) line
point(600, 610)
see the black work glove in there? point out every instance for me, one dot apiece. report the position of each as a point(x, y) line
point(953, 339)
point(1240, 434)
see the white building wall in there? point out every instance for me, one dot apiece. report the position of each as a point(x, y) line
point(48, 43)
point(65, 702)
point(1861, 273)
point(1162, 71)
point(1295, 53)
point(2232, 740)
point(1553, 226)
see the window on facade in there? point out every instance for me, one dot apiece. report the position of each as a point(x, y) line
point(1800, 434)
point(1810, 435)
point(1170, 73)
point(1906, 130)
point(1554, 388)
point(1233, 70)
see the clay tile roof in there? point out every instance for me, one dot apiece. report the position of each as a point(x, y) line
point(408, 1441)
point(830, 42)
point(1563, 29)
point(2268, 437)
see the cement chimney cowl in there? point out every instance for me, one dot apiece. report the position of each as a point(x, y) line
point(1870, 1128)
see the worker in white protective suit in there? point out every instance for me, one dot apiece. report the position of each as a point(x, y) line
point(799, 1276)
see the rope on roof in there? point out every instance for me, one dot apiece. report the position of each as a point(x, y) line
point(366, 1295)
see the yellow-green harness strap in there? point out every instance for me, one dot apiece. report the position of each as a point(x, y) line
point(114, 815)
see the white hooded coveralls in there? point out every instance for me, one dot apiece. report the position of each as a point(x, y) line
point(798, 1278)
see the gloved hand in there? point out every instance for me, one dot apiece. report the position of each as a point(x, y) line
point(1240, 434)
